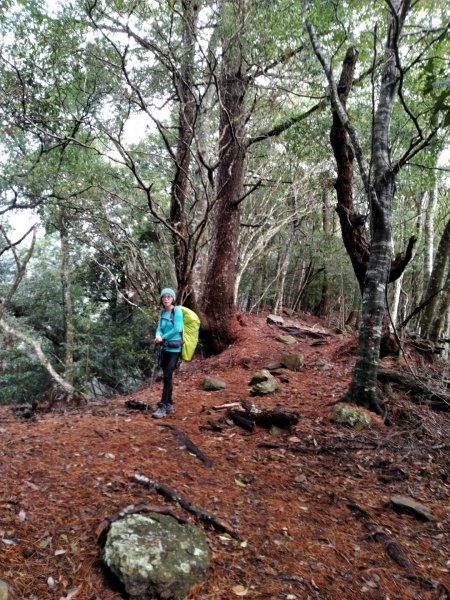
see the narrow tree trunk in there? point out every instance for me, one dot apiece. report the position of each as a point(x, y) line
point(436, 283)
point(184, 84)
point(67, 302)
point(324, 305)
point(429, 235)
point(396, 300)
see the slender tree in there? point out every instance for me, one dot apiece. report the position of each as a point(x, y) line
point(379, 186)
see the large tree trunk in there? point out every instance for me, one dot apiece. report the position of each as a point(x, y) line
point(363, 388)
point(218, 300)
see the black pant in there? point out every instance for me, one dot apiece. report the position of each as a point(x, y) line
point(168, 363)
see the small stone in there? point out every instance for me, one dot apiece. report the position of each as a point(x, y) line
point(409, 506)
point(350, 416)
point(275, 320)
point(211, 384)
point(286, 339)
point(322, 364)
point(6, 592)
point(292, 361)
point(263, 383)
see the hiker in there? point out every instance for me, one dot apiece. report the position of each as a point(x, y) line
point(169, 334)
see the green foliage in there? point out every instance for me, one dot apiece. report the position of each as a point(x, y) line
point(89, 124)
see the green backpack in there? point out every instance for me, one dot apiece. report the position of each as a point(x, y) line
point(191, 327)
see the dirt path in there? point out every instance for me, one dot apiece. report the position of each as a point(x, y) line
point(311, 506)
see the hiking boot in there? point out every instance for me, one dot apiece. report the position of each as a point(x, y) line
point(160, 412)
point(169, 408)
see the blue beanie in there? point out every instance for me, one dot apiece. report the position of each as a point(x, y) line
point(169, 292)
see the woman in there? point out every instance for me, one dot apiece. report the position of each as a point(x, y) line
point(169, 333)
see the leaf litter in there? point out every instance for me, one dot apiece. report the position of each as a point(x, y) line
point(311, 506)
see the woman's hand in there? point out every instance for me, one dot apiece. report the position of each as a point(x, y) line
point(158, 339)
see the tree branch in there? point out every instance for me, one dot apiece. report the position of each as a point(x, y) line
point(282, 127)
point(36, 346)
point(343, 117)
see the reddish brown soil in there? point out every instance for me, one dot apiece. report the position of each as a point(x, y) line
point(288, 497)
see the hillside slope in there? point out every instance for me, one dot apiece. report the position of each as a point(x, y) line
point(310, 506)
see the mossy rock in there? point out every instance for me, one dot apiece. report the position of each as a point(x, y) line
point(286, 339)
point(292, 361)
point(263, 383)
point(350, 416)
point(211, 384)
point(154, 556)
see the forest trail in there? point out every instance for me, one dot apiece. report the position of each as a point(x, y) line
point(310, 506)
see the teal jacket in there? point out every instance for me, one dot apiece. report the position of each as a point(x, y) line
point(170, 328)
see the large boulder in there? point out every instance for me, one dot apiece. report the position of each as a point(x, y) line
point(154, 556)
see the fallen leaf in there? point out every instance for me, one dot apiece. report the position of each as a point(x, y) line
point(240, 590)
point(73, 594)
point(240, 483)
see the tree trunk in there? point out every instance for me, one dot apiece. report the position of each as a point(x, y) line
point(184, 85)
point(396, 300)
point(323, 309)
point(430, 214)
point(218, 300)
point(67, 301)
point(352, 223)
point(436, 283)
point(363, 388)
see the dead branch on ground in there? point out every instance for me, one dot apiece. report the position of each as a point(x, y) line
point(189, 445)
point(171, 494)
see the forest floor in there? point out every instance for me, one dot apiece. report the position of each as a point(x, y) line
point(311, 506)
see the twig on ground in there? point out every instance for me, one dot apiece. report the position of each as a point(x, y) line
point(189, 445)
point(200, 513)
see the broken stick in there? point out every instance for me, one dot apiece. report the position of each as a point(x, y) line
point(190, 446)
point(173, 495)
